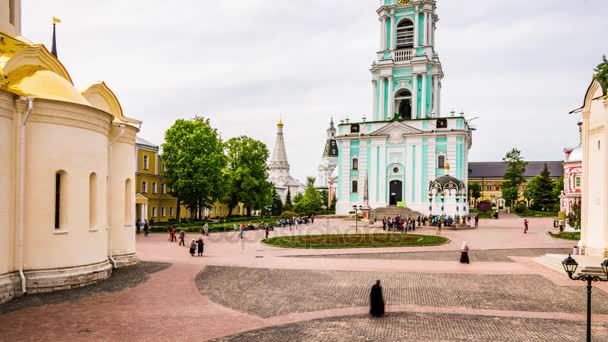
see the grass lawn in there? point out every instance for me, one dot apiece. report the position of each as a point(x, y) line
point(567, 236)
point(356, 241)
point(534, 213)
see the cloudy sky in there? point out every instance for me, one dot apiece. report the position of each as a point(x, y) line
point(518, 65)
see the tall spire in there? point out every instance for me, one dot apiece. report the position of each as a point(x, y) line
point(279, 154)
point(54, 46)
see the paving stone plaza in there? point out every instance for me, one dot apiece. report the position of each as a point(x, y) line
point(242, 290)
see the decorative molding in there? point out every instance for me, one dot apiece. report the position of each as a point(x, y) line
point(597, 130)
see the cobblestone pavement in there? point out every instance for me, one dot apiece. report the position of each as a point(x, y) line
point(120, 280)
point(425, 327)
point(268, 293)
point(245, 278)
point(491, 255)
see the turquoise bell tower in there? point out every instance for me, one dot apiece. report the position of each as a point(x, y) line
point(407, 73)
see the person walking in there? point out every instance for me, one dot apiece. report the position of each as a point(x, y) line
point(146, 228)
point(139, 225)
point(525, 226)
point(206, 229)
point(171, 234)
point(266, 231)
point(182, 238)
point(464, 253)
point(376, 301)
point(439, 226)
point(201, 246)
point(241, 230)
point(192, 247)
point(476, 221)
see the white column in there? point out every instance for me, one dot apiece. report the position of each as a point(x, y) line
point(416, 27)
point(415, 96)
point(439, 98)
point(381, 33)
point(393, 33)
point(374, 92)
point(381, 104)
point(429, 26)
point(423, 101)
point(391, 98)
point(426, 25)
point(383, 37)
point(436, 94)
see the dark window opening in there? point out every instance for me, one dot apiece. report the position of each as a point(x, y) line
point(57, 200)
point(355, 186)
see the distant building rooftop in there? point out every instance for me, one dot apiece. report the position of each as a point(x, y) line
point(497, 169)
point(140, 141)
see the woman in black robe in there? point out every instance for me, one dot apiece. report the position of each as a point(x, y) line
point(201, 245)
point(376, 300)
point(464, 253)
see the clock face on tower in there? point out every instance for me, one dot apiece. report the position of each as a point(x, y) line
point(404, 2)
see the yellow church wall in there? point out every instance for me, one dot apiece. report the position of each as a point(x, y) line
point(6, 182)
point(77, 242)
point(123, 193)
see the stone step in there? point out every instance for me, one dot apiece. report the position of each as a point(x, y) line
point(552, 261)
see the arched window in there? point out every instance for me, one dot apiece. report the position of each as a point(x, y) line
point(403, 103)
point(355, 186)
point(146, 163)
point(92, 200)
point(128, 204)
point(405, 34)
point(441, 162)
point(355, 164)
point(60, 199)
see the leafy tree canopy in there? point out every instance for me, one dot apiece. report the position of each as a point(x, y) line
point(246, 174)
point(601, 72)
point(475, 191)
point(514, 175)
point(193, 158)
point(311, 202)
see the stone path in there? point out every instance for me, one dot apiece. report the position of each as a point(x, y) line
point(268, 293)
point(425, 327)
point(247, 286)
point(491, 255)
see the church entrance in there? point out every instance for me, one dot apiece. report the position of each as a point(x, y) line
point(396, 192)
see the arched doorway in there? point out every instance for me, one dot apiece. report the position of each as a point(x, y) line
point(403, 103)
point(395, 192)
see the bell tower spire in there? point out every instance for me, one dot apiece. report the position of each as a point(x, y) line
point(407, 73)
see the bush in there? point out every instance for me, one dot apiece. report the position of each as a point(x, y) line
point(484, 206)
point(287, 215)
point(521, 208)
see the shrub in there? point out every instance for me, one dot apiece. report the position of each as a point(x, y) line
point(288, 214)
point(521, 208)
point(484, 206)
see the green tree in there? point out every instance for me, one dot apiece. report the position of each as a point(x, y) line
point(246, 175)
point(514, 176)
point(542, 190)
point(297, 199)
point(601, 72)
point(288, 206)
point(277, 206)
point(475, 191)
point(558, 187)
point(193, 158)
point(311, 202)
point(325, 196)
point(333, 202)
point(531, 188)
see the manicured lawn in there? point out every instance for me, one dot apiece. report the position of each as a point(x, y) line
point(534, 213)
point(355, 241)
point(567, 236)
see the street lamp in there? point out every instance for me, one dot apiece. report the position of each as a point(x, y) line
point(324, 207)
point(430, 203)
point(570, 266)
point(356, 217)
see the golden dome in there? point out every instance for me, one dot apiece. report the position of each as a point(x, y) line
point(44, 84)
point(447, 166)
point(280, 124)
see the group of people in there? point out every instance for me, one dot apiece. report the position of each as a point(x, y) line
point(295, 221)
point(400, 224)
point(197, 246)
point(142, 225)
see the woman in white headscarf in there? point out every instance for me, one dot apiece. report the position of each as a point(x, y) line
point(464, 253)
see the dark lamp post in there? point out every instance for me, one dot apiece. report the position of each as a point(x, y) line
point(356, 217)
point(570, 266)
